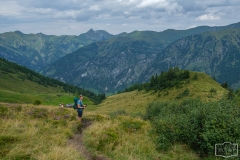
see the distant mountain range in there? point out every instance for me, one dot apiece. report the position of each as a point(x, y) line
point(108, 63)
point(118, 62)
point(36, 51)
point(215, 53)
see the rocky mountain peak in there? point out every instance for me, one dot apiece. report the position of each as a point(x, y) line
point(97, 35)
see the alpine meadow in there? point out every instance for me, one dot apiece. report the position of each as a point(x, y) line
point(170, 95)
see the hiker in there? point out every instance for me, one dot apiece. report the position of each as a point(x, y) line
point(80, 108)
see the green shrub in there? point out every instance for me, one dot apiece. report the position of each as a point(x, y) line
point(185, 93)
point(131, 125)
point(109, 136)
point(22, 156)
point(198, 124)
point(230, 94)
point(37, 102)
point(195, 76)
point(59, 122)
point(18, 108)
point(118, 113)
point(5, 144)
point(212, 91)
point(3, 111)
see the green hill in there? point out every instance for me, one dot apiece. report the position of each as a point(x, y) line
point(19, 84)
point(170, 121)
point(118, 130)
point(199, 85)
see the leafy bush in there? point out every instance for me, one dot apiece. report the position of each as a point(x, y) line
point(108, 137)
point(3, 111)
point(185, 93)
point(195, 123)
point(212, 90)
point(37, 102)
point(230, 94)
point(5, 143)
point(132, 125)
point(23, 156)
point(118, 113)
point(195, 77)
point(224, 85)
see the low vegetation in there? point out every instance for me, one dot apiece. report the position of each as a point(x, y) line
point(174, 77)
point(36, 132)
point(23, 80)
point(198, 124)
point(180, 121)
point(135, 102)
point(126, 137)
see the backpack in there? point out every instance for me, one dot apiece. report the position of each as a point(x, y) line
point(75, 106)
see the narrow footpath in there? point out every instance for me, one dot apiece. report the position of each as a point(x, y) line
point(77, 142)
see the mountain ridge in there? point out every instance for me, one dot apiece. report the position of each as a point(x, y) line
point(110, 64)
point(116, 63)
point(38, 50)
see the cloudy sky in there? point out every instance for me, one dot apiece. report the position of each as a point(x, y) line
point(73, 17)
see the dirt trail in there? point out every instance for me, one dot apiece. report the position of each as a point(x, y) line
point(77, 142)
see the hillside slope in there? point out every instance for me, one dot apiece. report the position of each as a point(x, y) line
point(215, 53)
point(19, 84)
point(199, 85)
point(112, 65)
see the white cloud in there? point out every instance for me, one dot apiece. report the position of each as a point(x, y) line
point(170, 7)
point(207, 17)
point(95, 8)
point(10, 8)
point(137, 14)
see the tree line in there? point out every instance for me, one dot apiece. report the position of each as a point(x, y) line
point(172, 77)
point(25, 73)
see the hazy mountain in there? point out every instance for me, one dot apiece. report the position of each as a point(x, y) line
point(215, 53)
point(125, 59)
point(38, 50)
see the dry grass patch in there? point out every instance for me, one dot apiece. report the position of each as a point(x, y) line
point(129, 138)
point(36, 132)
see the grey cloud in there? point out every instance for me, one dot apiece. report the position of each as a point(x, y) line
point(146, 16)
point(178, 14)
point(78, 10)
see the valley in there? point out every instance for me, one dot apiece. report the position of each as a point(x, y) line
point(151, 95)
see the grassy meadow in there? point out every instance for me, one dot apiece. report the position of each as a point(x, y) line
point(135, 102)
point(15, 90)
point(122, 133)
point(36, 132)
point(124, 137)
point(119, 130)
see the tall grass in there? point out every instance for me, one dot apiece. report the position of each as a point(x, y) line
point(124, 137)
point(36, 132)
